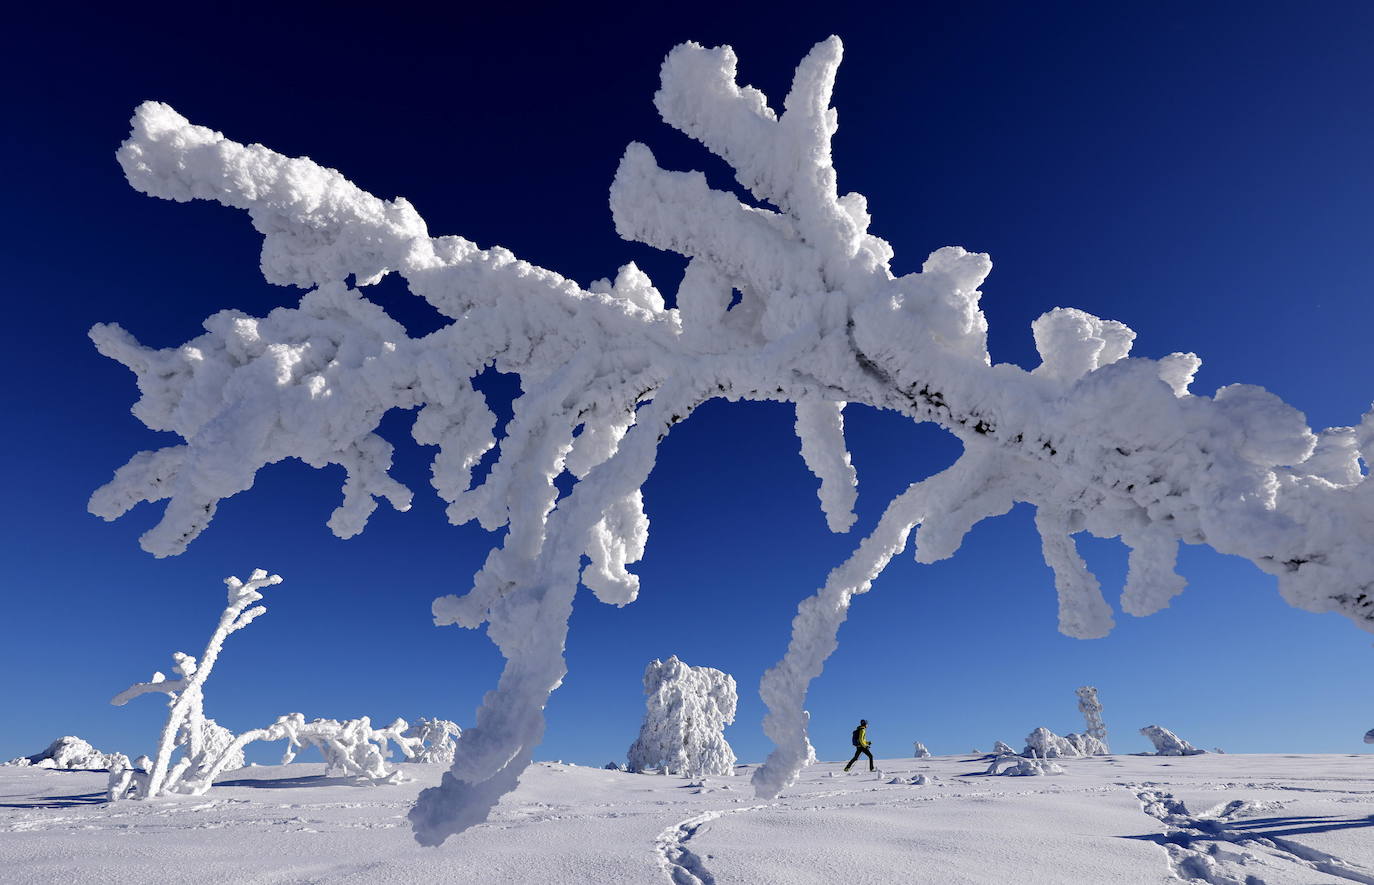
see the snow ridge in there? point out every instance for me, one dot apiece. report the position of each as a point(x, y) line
point(607, 371)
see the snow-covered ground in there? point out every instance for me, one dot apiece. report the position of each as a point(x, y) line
point(1249, 819)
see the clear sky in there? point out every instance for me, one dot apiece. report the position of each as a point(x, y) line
point(1201, 172)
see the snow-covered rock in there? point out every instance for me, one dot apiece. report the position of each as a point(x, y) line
point(1047, 745)
point(1169, 744)
point(1003, 749)
point(921, 751)
point(686, 711)
point(71, 753)
point(922, 780)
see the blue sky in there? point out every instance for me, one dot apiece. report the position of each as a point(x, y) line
point(1199, 171)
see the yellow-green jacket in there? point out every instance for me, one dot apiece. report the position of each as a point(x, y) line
point(861, 736)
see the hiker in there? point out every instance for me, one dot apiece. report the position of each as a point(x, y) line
point(861, 745)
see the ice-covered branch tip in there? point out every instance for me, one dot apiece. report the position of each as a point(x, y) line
point(1095, 439)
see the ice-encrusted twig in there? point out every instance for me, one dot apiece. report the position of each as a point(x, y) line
point(1095, 439)
point(202, 739)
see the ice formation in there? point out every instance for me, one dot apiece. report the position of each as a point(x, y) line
point(71, 753)
point(1094, 439)
point(207, 748)
point(1091, 708)
point(437, 739)
point(686, 711)
point(1047, 745)
point(1003, 749)
point(921, 751)
point(1169, 744)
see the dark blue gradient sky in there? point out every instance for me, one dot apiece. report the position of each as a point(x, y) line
point(1202, 172)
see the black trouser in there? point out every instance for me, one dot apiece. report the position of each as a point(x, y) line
point(857, 751)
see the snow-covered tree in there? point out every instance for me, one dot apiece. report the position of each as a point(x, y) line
point(1091, 708)
point(1094, 439)
point(207, 747)
point(921, 751)
point(686, 710)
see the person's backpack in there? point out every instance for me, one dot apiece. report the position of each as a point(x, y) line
point(854, 739)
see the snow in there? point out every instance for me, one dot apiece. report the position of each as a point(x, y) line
point(1047, 745)
point(607, 371)
point(1091, 708)
point(920, 750)
point(686, 711)
point(1117, 819)
point(1167, 743)
point(70, 752)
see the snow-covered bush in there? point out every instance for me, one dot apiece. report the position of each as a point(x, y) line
point(1017, 766)
point(921, 751)
point(1167, 743)
point(686, 711)
point(1047, 745)
point(437, 740)
point(71, 753)
point(207, 748)
point(1091, 708)
point(1003, 749)
point(607, 371)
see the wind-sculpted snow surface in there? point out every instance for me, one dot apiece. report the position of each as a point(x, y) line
point(1095, 440)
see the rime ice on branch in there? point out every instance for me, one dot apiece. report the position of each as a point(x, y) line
point(207, 747)
point(686, 711)
point(1094, 439)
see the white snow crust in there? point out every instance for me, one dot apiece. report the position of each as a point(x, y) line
point(1128, 820)
point(1095, 439)
point(686, 711)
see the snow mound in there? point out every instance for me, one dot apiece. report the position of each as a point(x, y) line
point(1017, 766)
point(71, 753)
point(1047, 745)
point(1003, 749)
point(1169, 744)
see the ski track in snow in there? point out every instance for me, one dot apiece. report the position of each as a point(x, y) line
point(1209, 847)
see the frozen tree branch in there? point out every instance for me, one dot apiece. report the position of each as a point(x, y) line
point(1094, 439)
point(207, 747)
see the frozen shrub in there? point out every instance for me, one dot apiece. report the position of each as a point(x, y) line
point(72, 753)
point(1047, 745)
point(1167, 743)
point(1091, 708)
point(1002, 749)
point(686, 711)
point(921, 751)
point(206, 747)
